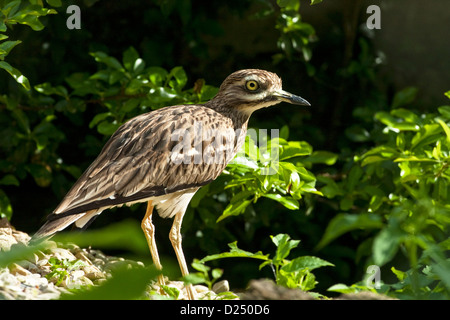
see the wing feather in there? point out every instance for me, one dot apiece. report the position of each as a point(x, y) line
point(136, 161)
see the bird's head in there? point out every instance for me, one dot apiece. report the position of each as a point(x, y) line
point(252, 89)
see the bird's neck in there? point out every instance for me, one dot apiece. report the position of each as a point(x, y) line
point(239, 121)
point(234, 113)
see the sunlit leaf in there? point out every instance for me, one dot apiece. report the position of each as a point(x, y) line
point(16, 74)
point(286, 201)
point(306, 262)
point(235, 252)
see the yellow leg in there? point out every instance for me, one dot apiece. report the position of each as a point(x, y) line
point(149, 231)
point(175, 239)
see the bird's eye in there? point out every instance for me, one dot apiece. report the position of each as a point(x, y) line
point(252, 85)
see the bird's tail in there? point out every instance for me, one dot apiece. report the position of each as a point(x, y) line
point(56, 223)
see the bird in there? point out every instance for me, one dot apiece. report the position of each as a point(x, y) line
point(164, 156)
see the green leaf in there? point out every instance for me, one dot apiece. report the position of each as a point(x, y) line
point(371, 159)
point(195, 278)
point(9, 180)
point(107, 128)
point(353, 177)
point(234, 209)
point(11, 8)
point(404, 97)
point(306, 262)
point(284, 132)
point(286, 201)
point(109, 61)
point(171, 291)
point(20, 252)
point(129, 105)
point(98, 118)
point(428, 134)
point(200, 266)
point(447, 94)
point(180, 78)
point(445, 111)
point(399, 274)
point(284, 246)
point(394, 124)
point(237, 205)
point(54, 3)
point(216, 273)
point(414, 159)
point(343, 288)
point(5, 210)
point(289, 4)
point(157, 75)
point(406, 115)
point(16, 74)
point(115, 76)
point(130, 56)
point(326, 157)
point(315, 1)
point(386, 244)
point(331, 188)
point(134, 86)
point(357, 133)
point(377, 154)
point(208, 92)
point(344, 222)
point(30, 16)
point(47, 89)
point(446, 129)
point(295, 149)
point(6, 47)
point(235, 252)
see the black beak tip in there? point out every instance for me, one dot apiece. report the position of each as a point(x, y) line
point(300, 101)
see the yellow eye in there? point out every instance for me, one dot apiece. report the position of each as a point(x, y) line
point(252, 85)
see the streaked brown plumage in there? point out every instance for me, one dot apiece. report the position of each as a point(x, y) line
point(163, 157)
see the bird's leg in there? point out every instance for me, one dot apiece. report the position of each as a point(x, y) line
point(175, 239)
point(149, 231)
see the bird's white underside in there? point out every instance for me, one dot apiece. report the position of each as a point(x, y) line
point(166, 205)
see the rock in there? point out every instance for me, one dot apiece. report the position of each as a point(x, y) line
point(10, 236)
point(80, 255)
point(62, 254)
point(265, 289)
point(27, 279)
point(75, 280)
point(93, 273)
point(16, 269)
point(221, 286)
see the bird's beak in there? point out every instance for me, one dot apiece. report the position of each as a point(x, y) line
point(290, 98)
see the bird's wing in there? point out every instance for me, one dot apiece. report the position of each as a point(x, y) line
point(154, 154)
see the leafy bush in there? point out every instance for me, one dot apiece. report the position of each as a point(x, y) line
point(295, 274)
point(399, 189)
point(20, 12)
